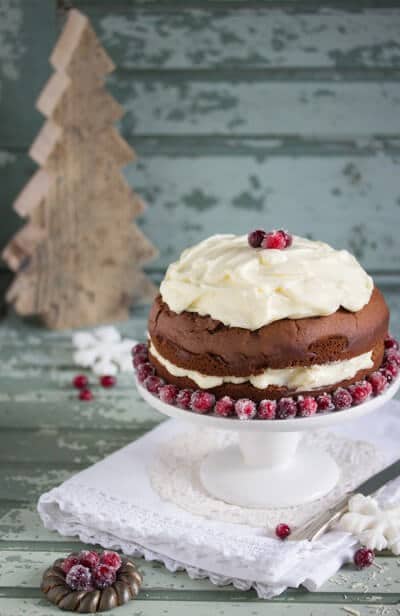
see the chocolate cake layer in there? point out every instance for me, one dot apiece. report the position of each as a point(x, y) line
point(201, 343)
point(247, 390)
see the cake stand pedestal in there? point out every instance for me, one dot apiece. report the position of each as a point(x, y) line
point(269, 466)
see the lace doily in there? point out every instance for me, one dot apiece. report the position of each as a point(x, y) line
point(175, 476)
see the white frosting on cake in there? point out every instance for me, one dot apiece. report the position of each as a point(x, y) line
point(299, 378)
point(241, 286)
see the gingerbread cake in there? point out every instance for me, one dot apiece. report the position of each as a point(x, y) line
point(266, 317)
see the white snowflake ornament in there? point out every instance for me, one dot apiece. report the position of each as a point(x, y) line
point(103, 350)
point(374, 527)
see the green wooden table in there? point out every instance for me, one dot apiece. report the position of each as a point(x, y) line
point(47, 435)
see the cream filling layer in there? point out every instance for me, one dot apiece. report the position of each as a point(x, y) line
point(297, 378)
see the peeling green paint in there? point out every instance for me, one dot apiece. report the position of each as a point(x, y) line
point(199, 200)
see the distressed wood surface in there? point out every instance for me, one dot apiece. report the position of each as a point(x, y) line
point(239, 112)
point(46, 435)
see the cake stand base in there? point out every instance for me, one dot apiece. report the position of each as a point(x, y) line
point(253, 474)
point(269, 467)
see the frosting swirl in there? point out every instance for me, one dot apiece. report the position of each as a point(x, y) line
point(241, 286)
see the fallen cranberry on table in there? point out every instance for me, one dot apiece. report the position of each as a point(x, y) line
point(108, 380)
point(80, 381)
point(363, 558)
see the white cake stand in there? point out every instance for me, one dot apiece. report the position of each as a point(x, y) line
point(269, 467)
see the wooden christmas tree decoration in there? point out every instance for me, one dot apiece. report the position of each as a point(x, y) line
point(78, 259)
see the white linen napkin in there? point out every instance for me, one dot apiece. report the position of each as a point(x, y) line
point(113, 503)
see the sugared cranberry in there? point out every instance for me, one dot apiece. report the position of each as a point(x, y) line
point(306, 406)
point(391, 343)
point(387, 374)
point(202, 401)
point(88, 558)
point(86, 395)
point(139, 360)
point(111, 559)
point(378, 382)
point(342, 398)
point(80, 381)
point(139, 349)
point(245, 408)
point(79, 578)
point(104, 576)
point(153, 384)
point(288, 238)
point(324, 402)
point(274, 239)
point(390, 368)
point(286, 408)
point(168, 393)
point(363, 558)
point(108, 380)
point(282, 531)
point(183, 398)
point(360, 391)
point(267, 409)
point(144, 371)
point(69, 562)
point(255, 238)
point(224, 407)
point(393, 355)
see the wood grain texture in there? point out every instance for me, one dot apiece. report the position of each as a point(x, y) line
point(46, 435)
point(78, 260)
point(138, 37)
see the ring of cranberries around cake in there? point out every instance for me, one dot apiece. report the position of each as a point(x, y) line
point(286, 407)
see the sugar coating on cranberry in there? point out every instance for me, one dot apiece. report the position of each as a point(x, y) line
point(267, 409)
point(363, 558)
point(324, 402)
point(306, 406)
point(255, 238)
point(286, 408)
point(79, 578)
point(391, 368)
point(202, 401)
point(393, 355)
point(342, 398)
point(144, 371)
point(69, 562)
point(274, 240)
point(378, 382)
point(138, 360)
point(168, 393)
point(86, 395)
point(282, 531)
point(224, 407)
point(153, 384)
point(139, 349)
point(391, 343)
point(104, 576)
point(288, 238)
point(88, 558)
point(80, 381)
point(183, 398)
point(360, 391)
point(245, 408)
point(111, 559)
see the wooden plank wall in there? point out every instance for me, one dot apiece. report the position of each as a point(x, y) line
point(242, 112)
